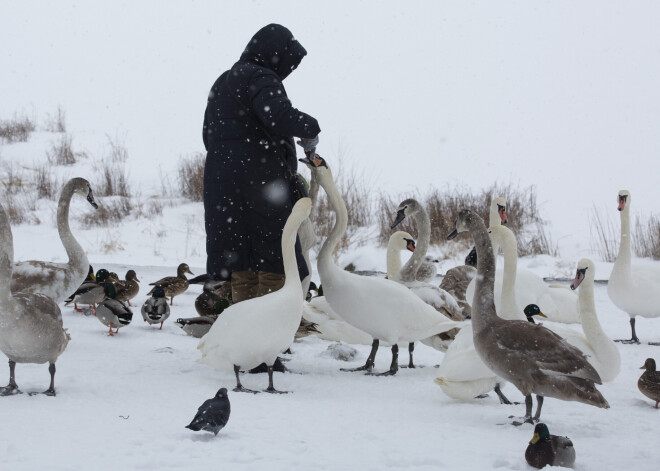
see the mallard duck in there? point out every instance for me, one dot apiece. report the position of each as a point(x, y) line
point(91, 292)
point(549, 450)
point(196, 327)
point(128, 288)
point(215, 296)
point(173, 285)
point(545, 364)
point(57, 279)
point(649, 382)
point(91, 278)
point(31, 329)
point(155, 308)
point(532, 310)
point(312, 291)
point(457, 279)
point(112, 312)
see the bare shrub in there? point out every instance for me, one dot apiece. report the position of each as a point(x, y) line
point(61, 153)
point(20, 208)
point(57, 121)
point(113, 181)
point(153, 208)
point(191, 176)
point(13, 180)
point(646, 238)
point(17, 129)
point(117, 151)
point(46, 184)
point(604, 236)
point(110, 211)
point(443, 207)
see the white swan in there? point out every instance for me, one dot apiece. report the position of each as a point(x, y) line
point(331, 325)
point(31, 328)
point(383, 308)
point(557, 303)
point(57, 280)
point(635, 289)
point(256, 330)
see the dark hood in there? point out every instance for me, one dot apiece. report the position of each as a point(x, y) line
point(275, 47)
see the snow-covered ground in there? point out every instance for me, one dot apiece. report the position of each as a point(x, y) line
point(560, 95)
point(123, 403)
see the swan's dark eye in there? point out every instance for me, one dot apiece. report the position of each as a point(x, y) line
point(501, 208)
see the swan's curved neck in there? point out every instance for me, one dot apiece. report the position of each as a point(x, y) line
point(494, 218)
point(325, 262)
point(393, 261)
point(289, 233)
point(6, 255)
point(509, 305)
point(73, 249)
point(623, 258)
point(587, 308)
point(409, 270)
point(483, 307)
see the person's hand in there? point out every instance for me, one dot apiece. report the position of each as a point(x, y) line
point(309, 145)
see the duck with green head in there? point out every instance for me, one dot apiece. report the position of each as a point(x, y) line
point(532, 310)
point(549, 450)
point(112, 312)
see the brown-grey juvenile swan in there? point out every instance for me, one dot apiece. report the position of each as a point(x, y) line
point(531, 357)
point(31, 328)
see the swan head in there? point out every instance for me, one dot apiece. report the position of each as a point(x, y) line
point(83, 188)
point(315, 161)
point(463, 220)
point(585, 269)
point(532, 310)
point(401, 240)
point(623, 200)
point(407, 208)
point(498, 208)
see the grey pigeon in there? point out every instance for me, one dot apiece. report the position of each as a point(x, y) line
point(213, 415)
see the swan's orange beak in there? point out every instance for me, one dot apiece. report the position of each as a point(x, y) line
point(622, 202)
point(503, 218)
point(411, 246)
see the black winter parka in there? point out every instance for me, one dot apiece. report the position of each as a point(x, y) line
point(249, 126)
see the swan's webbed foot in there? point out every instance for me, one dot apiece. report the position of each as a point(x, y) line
point(366, 367)
point(390, 372)
point(518, 421)
point(655, 344)
point(47, 392)
point(275, 391)
point(10, 390)
point(245, 390)
point(482, 396)
point(632, 341)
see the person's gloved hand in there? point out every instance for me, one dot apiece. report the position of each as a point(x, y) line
point(309, 145)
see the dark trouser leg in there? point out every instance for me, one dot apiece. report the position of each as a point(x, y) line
point(369, 365)
point(12, 387)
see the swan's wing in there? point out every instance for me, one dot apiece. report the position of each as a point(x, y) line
point(440, 299)
point(539, 346)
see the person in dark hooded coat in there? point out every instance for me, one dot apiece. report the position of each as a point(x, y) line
point(249, 130)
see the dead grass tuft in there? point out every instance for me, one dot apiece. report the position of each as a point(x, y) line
point(191, 176)
point(17, 129)
point(61, 152)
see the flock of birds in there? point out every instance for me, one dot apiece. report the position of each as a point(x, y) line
point(481, 316)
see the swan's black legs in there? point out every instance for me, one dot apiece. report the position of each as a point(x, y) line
point(411, 349)
point(12, 387)
point(394, 366)
point(634, 338)
point(51, 389)
point(271, 388)
point(500, 394)
point(239, 387)
point(539, 404)
point(369, 365)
